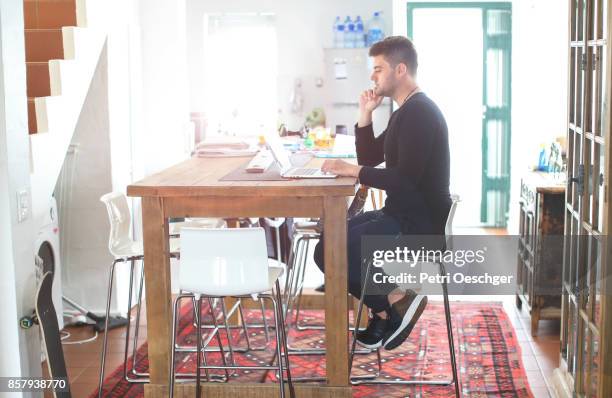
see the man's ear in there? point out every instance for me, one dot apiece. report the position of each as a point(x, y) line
point(401, 69)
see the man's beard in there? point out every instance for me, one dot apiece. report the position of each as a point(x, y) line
point(379, 91)
point(382, 92)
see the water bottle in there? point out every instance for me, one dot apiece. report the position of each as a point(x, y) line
point(359, 33)
point(375, 29)
point(349, 33)
point(338, 33)
point(542, 162)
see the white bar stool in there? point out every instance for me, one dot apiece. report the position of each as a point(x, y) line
point(125, 249)
point(212, 267)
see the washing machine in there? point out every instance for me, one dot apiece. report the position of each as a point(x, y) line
point(47, 250)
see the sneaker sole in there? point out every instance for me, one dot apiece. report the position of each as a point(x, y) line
point(410, 319)
point(370, 346)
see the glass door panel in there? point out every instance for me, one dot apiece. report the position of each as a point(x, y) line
point(460, 99)
point(496, 122)
point(587, 140)
point(477, 106)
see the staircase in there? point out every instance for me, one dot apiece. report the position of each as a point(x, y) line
point(63, 47)
point(43, 21)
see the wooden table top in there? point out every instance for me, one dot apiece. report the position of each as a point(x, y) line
point(201, 177)
point(542, 182)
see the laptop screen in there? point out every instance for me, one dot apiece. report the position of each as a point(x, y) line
point(278, 151)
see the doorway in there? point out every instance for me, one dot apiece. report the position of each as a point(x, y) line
point(465, 67)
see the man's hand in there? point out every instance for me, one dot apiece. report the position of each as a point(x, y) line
point(368, 102)
point(341, 168)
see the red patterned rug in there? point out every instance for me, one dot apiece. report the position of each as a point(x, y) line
point(489, 355)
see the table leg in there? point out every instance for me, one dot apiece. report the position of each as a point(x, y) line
point(336, 290)
point(157, 278)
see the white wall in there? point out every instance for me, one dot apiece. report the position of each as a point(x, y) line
point(131, 126)
point(539, 82)
point(20, 348)
point(539, 85)
point(165, 95)
point(85, 177)
point(304, 28)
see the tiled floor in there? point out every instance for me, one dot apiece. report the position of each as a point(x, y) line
point(83, 360)
point(540, 354)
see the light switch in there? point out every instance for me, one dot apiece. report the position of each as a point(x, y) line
point(23, 205)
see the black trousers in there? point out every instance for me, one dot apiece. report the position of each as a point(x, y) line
point(368, 223)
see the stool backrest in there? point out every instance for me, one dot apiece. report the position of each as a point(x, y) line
point(448, 228)
point(120, 219)
point(223, 261)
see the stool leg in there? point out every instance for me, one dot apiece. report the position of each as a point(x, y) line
point(290, 279)
point(449, 329)
point(197, 315)
point(173, 352)
point(264, 320)
point(300, 283)
point(108, 303)
point(228, 331)
point(199, 347)
point(127, 330)
point(279, 357)
point(283, 332)
point(137, 327)
point(359, 312)
point(218, 333)
point(245, 330)
point(290, 264)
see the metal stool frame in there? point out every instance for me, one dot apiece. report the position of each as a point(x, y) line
point(281, 344)
point(447, 315)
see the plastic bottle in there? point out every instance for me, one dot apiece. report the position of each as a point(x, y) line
point(349, 33)
point(375, 29)
point(338, 33)
point(360, 40)
point(542, 162)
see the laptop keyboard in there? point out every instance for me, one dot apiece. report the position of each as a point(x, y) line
point(304, 172)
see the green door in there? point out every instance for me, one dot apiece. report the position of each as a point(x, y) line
point(495, 20)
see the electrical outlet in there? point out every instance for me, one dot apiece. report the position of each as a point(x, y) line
point(23, 205)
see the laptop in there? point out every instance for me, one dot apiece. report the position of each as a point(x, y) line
point(287, 170)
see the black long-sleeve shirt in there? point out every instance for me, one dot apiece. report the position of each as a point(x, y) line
point(417, 173)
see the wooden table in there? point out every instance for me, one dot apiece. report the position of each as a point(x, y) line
point(193, 189)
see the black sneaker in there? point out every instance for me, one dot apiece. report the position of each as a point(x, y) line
point(372, 336)
point(403, 315)
point(320, 288)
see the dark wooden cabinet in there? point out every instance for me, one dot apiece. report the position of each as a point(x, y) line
point(540, 248)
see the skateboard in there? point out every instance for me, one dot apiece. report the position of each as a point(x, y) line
point(46, 318)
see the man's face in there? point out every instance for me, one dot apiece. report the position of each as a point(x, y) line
point(383, 76)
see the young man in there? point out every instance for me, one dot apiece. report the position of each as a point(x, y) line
point(416, 177)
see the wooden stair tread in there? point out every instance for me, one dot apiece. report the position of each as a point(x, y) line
point(32, 126)
point(38, 79)
point(42, 45)
point(49, 14)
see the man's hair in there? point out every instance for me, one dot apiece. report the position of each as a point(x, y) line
point(396, 50)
